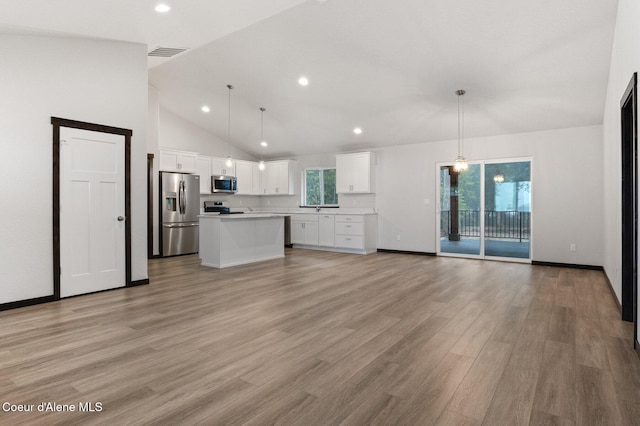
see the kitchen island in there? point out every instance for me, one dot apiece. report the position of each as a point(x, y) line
point(237, 239)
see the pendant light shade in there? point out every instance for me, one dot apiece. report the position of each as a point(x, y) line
point(461, 164)
point(229, 161)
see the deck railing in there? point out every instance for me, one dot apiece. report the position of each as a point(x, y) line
point(504, 224)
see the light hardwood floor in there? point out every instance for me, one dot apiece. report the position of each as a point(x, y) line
point(321, 338)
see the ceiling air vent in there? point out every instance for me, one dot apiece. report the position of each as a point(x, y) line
point(166, 52)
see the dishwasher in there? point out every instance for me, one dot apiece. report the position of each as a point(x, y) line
point(287, 231)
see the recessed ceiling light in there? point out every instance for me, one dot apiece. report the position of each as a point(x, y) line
point(303, 81)
point(205, 108)
point(357, 130)
point(264, 143)
point(162, 8)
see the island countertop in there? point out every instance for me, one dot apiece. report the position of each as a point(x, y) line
point(239, 216)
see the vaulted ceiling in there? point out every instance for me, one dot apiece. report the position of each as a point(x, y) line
point(390, 68)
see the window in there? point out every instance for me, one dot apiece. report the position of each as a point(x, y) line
point(319, 187)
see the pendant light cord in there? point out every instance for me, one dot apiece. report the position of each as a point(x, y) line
point(460, 94)
point(262, 110)
point(229, 124)
point(459, 140)
point(462, 128)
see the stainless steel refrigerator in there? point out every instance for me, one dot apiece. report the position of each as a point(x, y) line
point(179, 207)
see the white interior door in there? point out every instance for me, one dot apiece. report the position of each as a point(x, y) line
point(92, 209)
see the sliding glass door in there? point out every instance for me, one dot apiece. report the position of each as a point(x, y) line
point(460, 199)
point(507, 201)
point(486, 210)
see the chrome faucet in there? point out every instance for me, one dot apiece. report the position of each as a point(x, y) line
point(317, 208)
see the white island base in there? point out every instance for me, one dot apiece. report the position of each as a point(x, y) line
point(230, 240)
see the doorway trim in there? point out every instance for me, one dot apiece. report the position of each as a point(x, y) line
point(63, 122)
point(629, 204)
point(150, 158)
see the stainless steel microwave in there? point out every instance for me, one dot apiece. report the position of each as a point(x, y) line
point(224, 184)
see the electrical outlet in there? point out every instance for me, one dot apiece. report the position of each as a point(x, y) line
point(398, 237)
point(572, 247)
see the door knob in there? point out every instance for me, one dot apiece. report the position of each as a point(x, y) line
point(120, 218)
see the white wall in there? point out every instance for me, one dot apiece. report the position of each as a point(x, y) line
point(625, 60)
point(87, 80)
point(566, 191)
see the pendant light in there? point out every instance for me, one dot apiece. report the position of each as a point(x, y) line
point(229, 161)
point(261, 165)
point(461, 164)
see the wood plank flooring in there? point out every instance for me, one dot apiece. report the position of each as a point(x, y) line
point(321, 338)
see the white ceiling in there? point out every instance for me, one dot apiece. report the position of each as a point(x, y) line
point(390, 68)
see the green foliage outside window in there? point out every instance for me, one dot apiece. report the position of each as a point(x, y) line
point(320, 187)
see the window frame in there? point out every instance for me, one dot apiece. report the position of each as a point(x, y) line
point(303, 202)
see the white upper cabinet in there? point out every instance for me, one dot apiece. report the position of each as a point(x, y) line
point(218, 167)
point(203, 168)
point(248, 176)
point(355, 173)
point(177, 161)
point(278, 178)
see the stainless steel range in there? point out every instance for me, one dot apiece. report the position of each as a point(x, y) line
point(218, 207)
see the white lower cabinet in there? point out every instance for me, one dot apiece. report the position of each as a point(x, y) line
point(335, 232)
point(304, 229)
point(349, 232)
point(326, 230)
point(357, 232)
